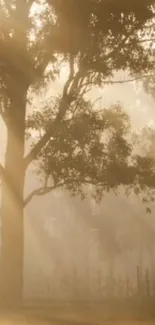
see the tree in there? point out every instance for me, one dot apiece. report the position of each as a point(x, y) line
point(33, 45)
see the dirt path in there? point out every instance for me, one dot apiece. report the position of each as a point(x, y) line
point(60, 317)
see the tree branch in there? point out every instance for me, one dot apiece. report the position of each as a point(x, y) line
point(39, 192)
point(125, 81)
point(146, 40)
point(32, 155)
point(67, 98)
point(47, 189)
point(69, 93)
point(113, 82)
point(71, 76)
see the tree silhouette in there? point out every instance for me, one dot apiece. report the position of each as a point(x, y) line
point(95, 39)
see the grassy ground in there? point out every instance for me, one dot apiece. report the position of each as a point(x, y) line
point(21, 319)
point(105, 313)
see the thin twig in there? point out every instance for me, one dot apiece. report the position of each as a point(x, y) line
point(125, 81)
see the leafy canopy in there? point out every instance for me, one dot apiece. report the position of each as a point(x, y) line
point(95, 39)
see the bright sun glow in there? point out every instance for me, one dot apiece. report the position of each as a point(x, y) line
point(64, 73)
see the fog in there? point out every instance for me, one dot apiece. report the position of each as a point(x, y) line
point(70, 243)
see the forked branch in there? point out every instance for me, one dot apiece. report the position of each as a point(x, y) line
point(65, 102)
point(39, 192)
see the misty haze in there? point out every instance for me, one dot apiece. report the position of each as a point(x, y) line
point(77, 161)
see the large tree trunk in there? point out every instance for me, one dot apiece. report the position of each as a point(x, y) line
point(12, 223)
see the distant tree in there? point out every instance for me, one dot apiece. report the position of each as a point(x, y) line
point(95, 39)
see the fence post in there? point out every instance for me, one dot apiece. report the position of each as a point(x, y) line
point(138, 282)
point(147, 283)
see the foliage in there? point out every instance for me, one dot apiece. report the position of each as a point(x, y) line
point(89, 148)
point(77, 144)
point(102, 36)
